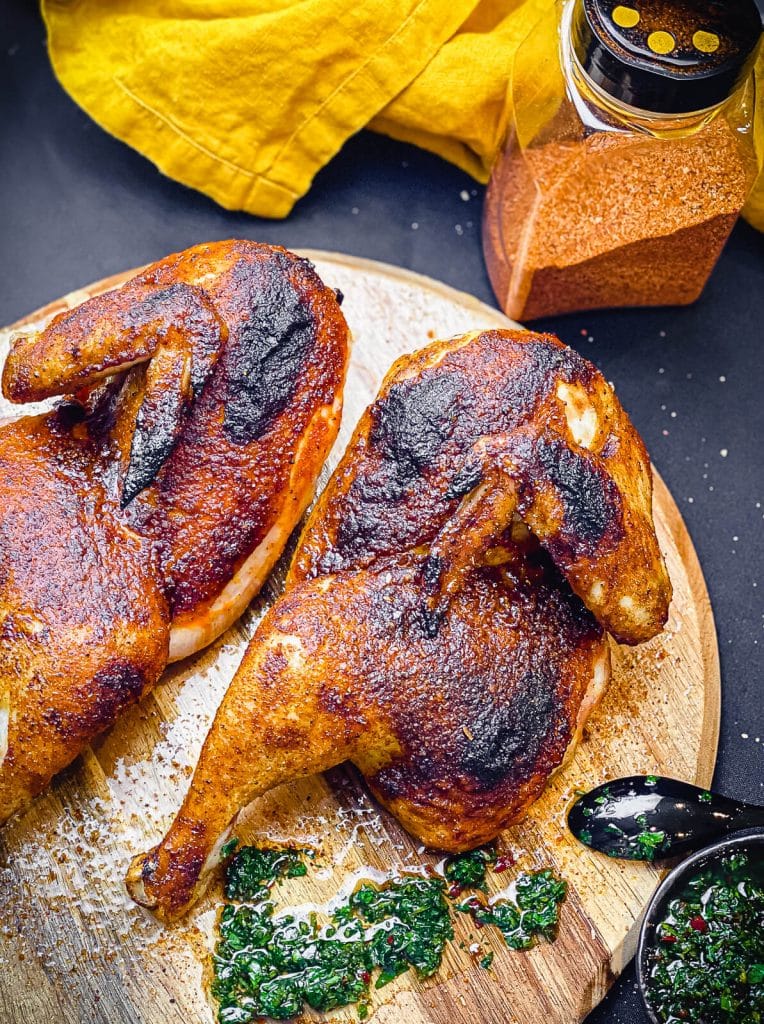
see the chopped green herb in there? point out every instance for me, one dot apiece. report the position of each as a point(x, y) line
point(413, 925)
point(651, 780)
point(228, 848)
point(649, 843)
point(467, 870)
point(274, 965)
point(755, 974)
point(708, 963)
point(705, 797)
point(534, 913)
point(266, 966)
point(253, 871)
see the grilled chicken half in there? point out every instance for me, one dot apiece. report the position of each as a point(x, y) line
point(443, 623)
point(140, 516)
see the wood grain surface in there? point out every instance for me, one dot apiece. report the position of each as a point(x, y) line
point(75, 950)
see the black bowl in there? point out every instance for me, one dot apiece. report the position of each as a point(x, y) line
point(750, 840)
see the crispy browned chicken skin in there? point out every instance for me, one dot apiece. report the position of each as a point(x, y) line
point(138, 518)
point(424, 633)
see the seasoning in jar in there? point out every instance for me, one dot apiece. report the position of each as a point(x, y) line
point(629, 158)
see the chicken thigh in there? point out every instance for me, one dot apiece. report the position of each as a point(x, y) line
point(434, 627)
point(139, 517)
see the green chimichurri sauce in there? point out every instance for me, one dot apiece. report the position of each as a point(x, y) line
point(533, 913)
point(468, 870)
point(708, 964)
point(273, 964)
point(252, 872)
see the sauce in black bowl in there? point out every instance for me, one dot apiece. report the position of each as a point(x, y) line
point(701, 948)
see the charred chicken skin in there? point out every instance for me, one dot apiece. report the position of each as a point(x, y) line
point(139, 517)
point(443, 622)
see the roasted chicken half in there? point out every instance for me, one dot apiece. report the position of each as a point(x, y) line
point(140, 516)
point(443, 622)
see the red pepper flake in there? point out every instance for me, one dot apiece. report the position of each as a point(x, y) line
point(390, 940)
point(699, 924)
point(668, 939)
point(454, 891)
point(365, 977)
point(504, 861)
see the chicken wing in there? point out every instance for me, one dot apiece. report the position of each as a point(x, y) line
point(467, 434)
point(429, 630)
point(138, 518)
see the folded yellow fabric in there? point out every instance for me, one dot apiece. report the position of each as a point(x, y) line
point(243, 99)
point(246, 100)
point(457, 106)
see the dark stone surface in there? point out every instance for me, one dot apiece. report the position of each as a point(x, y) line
point(76, 205)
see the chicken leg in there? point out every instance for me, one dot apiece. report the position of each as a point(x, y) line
point(456, 734)
point(434, 627)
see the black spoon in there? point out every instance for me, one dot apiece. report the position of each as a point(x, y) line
point(647, 817)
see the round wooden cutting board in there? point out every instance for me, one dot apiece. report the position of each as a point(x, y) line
point(73, 948)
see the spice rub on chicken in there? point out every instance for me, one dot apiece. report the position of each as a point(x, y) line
point(468, 435)
point(443, 622)
point(139, 517)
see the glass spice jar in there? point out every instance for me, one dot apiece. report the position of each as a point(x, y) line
point(629, 158)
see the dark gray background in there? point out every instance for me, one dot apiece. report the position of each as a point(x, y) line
point(76, 205)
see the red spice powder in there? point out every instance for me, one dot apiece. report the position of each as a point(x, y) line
point(615, 219)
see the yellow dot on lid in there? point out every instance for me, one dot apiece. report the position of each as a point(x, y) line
point(661, 42)
point(625, 17)
point(706, 42)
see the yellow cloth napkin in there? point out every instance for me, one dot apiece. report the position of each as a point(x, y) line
point(246, 100)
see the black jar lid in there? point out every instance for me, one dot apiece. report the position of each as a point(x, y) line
point(666, 56)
